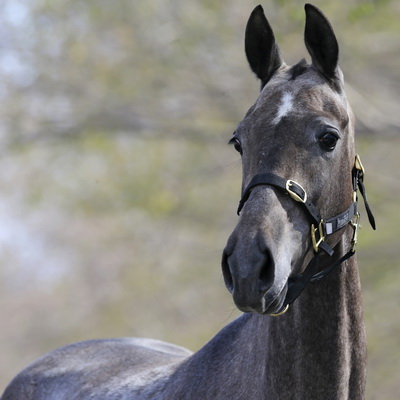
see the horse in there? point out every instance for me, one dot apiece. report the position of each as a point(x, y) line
point(289, 264)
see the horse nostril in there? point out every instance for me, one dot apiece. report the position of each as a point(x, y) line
point(266, 277)
point(226, 272)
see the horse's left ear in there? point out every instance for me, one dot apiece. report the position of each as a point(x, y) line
point(321, 42)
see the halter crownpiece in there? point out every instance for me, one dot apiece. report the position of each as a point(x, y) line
point(320, 228)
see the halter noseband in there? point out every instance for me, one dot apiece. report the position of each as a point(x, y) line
point(320, 228)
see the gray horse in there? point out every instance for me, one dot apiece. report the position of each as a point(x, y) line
point(289, 263)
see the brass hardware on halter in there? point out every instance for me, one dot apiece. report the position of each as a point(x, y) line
point(358, 164)
point(355, 225)
point(359, 167)
point(282, 312)
point(295, 196)
point(320, 231)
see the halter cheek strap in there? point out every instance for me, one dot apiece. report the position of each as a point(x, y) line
point(320, 228)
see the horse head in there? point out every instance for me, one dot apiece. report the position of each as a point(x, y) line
point(300, 129)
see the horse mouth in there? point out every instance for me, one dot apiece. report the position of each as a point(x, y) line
point(256, 288)
point(268, 304)
point(277, 305)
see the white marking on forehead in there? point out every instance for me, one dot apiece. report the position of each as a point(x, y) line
point(285, 107)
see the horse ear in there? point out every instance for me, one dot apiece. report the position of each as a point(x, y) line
point(321, 42)
point(261, 49)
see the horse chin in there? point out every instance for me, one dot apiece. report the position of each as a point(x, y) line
point(275, 305)
point(268, 305)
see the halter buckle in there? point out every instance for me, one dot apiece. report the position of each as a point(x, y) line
point(318, 231)
point(297, 193)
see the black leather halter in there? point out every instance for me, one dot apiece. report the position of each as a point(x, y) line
point(320, 228)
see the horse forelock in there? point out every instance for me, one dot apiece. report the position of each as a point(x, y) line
point(296, 91)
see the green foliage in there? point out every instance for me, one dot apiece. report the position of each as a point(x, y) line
point(361, 11)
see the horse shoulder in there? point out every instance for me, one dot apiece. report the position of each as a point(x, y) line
point(114, 368)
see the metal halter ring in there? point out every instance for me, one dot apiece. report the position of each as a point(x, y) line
point(281, 312)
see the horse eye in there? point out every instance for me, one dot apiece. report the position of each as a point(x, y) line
point(328, 141)
point(237, 145)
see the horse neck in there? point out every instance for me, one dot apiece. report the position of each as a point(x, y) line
point(319, 347)
point(316, 350)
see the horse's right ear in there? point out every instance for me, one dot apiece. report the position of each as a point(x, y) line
point(261, 49)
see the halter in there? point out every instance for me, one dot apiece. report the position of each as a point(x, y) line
point(320, 228)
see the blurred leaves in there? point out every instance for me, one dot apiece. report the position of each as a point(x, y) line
point(118, 191)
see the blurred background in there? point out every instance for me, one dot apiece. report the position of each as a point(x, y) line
point(117, 188)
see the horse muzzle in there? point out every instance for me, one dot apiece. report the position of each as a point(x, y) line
point(252, 281)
